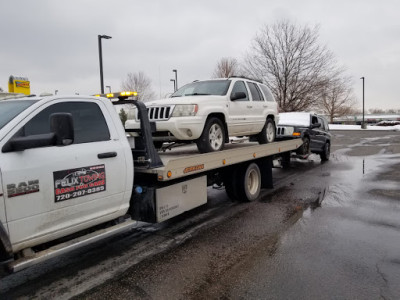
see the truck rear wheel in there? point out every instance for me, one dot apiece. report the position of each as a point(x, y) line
point(249, 183)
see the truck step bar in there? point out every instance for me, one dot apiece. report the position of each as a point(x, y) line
point(76, 243)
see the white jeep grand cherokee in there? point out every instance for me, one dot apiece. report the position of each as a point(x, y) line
point(210, 111)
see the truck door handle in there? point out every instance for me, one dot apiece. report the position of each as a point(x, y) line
point(107, 155)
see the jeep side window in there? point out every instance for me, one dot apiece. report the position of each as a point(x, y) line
point(240, 87)
point(326, 125)
point(88, 120)
point(255, 92)
point(267, 93)
point(314, 120)
point(320, 120)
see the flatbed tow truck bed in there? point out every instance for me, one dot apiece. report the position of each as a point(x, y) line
point(186, 160)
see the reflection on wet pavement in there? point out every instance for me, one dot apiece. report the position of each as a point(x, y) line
point(347, 243)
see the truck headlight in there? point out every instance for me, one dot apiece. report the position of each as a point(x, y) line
point(185, 110)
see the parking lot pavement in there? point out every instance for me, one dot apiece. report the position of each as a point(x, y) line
point(327, 230)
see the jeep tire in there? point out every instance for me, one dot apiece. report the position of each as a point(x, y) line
point(213, 136)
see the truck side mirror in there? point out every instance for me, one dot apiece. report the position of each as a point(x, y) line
point(238, 95)
point(61, 124)
point(316, 125)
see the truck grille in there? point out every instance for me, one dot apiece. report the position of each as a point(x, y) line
point(281, 130)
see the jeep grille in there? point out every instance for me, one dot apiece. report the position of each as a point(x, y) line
point(159, 113)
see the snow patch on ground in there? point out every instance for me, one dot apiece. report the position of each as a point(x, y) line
point(358, 127)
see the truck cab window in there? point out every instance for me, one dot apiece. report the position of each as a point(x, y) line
point(89, 122)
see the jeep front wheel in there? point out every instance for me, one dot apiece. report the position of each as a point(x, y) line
point(267, 134)
point(213, 136)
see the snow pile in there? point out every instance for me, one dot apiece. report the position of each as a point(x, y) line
point(294, 119)
point(358, 127)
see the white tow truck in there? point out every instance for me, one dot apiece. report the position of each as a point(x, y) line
point(70, 174)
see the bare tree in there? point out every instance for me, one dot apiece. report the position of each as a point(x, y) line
point(289, 60)
point(226, 67)
point(337, 100)
point(140, 83)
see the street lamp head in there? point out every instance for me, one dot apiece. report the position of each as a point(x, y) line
point(174, 70)
point(105, 36)
point(172, 80)
point(362, 78)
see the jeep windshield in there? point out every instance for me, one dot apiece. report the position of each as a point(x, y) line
point(201, 88)
point(10, 109)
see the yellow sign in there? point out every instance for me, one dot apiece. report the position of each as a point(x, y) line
point(19, 85)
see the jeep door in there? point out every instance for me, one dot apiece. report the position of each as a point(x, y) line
point(51, 191)
point(240, 120)
point(259, 110)
point(317, 136)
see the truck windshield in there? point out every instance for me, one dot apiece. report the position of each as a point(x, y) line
point(201, 88)
point(10, 109)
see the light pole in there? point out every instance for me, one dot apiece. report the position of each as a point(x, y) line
point(363, 89)
point(101, 60)
point(176, 79)
point(109, 88)
point(174, 84)
point(55, 92)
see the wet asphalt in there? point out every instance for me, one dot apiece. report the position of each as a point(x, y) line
point(327, 231)
point(341, 241)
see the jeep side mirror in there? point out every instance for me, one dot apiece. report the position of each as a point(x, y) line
point(238, 95)
point(61, 124)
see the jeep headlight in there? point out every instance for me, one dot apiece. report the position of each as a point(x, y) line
point(185, 110)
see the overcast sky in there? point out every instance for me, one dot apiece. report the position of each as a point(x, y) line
point(54, 43)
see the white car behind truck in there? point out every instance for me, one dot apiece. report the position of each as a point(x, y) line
point(210, 111)
point(67, 165)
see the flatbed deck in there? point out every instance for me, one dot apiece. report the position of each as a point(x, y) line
point(186, 160)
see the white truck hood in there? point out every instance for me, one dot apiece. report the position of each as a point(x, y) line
point(294, 119)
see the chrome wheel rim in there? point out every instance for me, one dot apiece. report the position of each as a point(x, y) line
point(253, 182)
point(270, 132)
point(215, 137)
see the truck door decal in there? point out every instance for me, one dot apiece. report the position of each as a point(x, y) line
point(22, 188)
point(74, 183)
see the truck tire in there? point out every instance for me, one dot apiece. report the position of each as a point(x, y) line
point(213, 136)
point(268, 133)
point(231, 186)
point(326, 153)
point(249, 183)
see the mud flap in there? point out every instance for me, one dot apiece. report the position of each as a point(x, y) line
point(265, 165)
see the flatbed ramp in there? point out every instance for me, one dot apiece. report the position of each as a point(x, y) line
point(184, 161)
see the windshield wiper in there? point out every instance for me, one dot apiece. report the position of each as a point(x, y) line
point(197, 94)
